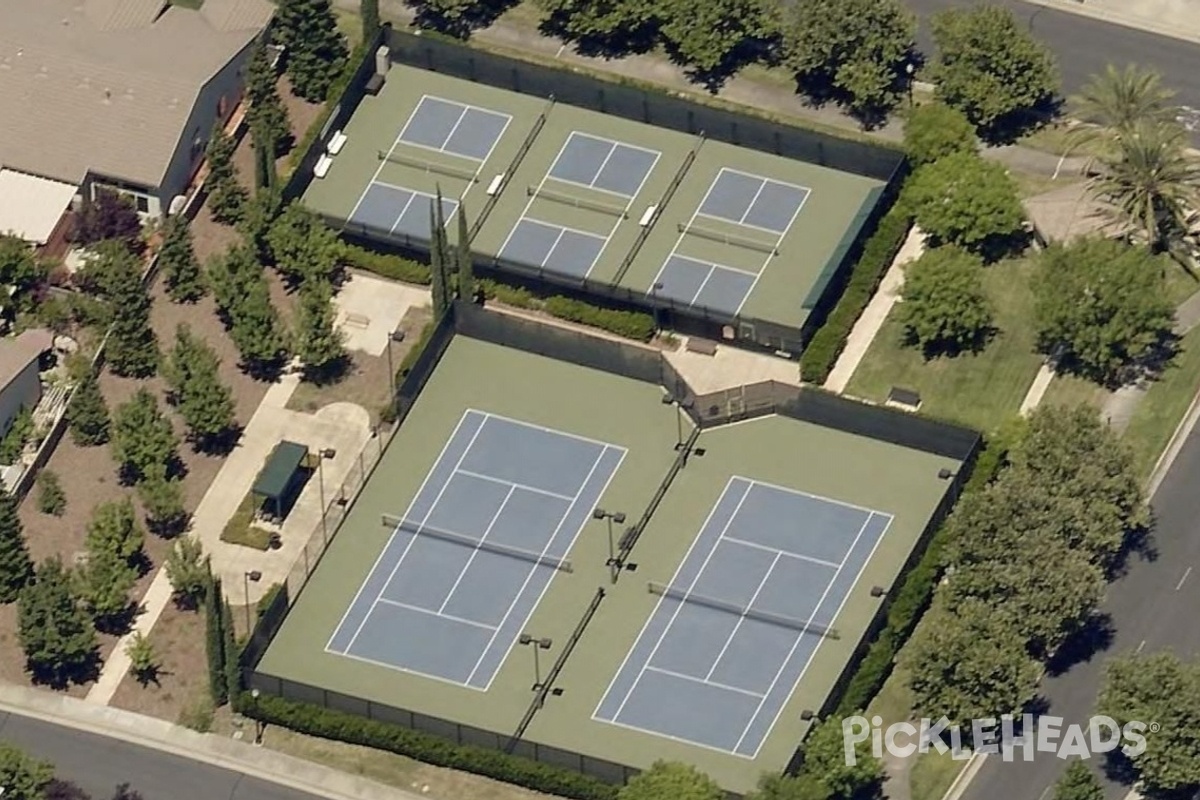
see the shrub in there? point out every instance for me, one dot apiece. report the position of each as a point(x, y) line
point(827, 343)
point(338, 726)
point(198, 715)
point(51, 498)
point(630, 324)
point(392, 267)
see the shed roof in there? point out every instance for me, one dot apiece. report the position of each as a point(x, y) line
point(17, 354)
point(276, 474)
point(30, 206)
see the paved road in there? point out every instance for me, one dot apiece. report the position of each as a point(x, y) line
point(1153, 607)
point(98, 763)
point(1085, 46)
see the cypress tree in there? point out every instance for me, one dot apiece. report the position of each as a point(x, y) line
point(369, 11)
point(132, 349)
point(225, 195)
point(214, 641)
point(466, 267)
point(16, 568)
point(267, 117)
point(316, 49)
point(437, 270)
point(177, 259)
point(233, 672)
point(88, 414)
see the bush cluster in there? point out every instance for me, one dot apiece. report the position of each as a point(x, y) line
point(827, 343)
point(425, 747)
point(630, 324)
point(912, 597)
point(393, 267)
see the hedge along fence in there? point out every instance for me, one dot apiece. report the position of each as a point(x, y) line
point(425, 747)
point(878, 253)
point(913, 596)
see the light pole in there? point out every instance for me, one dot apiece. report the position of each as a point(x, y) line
point(654, 290)
point(396, 336)
point(252, 575)
point(536, 644)
point(619, 518)
point(328, 452)
point(680, 406)
point(257, 724)
point(909, 70)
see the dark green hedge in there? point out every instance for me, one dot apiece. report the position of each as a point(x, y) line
point(827, 343)
point(630, 324)
point(912, 598)
point(425, 747)
point(396, 268)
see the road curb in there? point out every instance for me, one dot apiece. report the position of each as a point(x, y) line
point(1082, 9)
point(156, 734)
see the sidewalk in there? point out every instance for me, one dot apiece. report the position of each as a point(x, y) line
point(1178, 19)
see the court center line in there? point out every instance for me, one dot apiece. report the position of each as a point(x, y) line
point(529, 203)
point(562, 228)
point(477, 550)
point(705, 681)
point(611, 149)
point(742, 616)
point(628, 205)
point(403, 211)
point(786, 553)
point(488, 157)
point(420, 490)
point(762, 185)
point(550, 252)
point(800, 635)
point(413, 537)
point(712, 268)
point(533, 568)
point(778, 241)
point(683, 233)
point(749, 225)
point(461, 116)
point(570, 182)
point(522, 486)
point(658, 605)
point(675, 614)
point(430, 612)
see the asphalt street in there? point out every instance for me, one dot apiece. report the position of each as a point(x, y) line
point(1085, 46)
point(98, 764)
point(1153, 607)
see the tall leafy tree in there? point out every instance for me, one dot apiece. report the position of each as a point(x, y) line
point(712, 37)
point(22, 776)
point(267, 117)
point(230, 276)
point(963, 200)
point(1102, 309)
point(188, 570)
point(177, 260)
point(204, 402)
point(257, 330)
point(266, 178)
point(969, 664)
point(462, 256)
point(609, 25)
point(439, 257)
point(316, 51)
point(143, 439)
point(20, 269)
point(258, 217)
point(88, 414)
point(990, 67)
point(317, 341)
point(1163, 689)
point(934, 131)
point(114, 529)
point(945, 308)
point(232, 653)
point(103, 585)
point(671, 779)
point(788, 787)
point(302, 246)
point(54, 630)
point(825, 760)
point(16, 568)
point(132, 347)
point(226, 197)
point(854, 49)
point(1078, 783)
point(214, 640)
point(162, 500)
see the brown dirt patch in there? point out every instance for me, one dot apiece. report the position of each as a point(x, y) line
point(366, 381)
point(178, 641)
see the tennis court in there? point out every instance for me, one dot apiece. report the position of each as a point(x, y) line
point(734, 631)
point(467, 563)
point(575, 209)
point(749, 214)
point(449, 140)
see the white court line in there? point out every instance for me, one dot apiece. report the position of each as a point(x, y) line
point(597, 138)
point(415, 194)
point(821, 641)
point(830, 500)
point(461, 116)
point(382, 162)
point(682, 602)
point(522, 486)
point(742, 616)
point(561, 230)
point(779, 241)
point(783, 665)
point(413, 538)
point(403, 211)
point(662, 598)
point(749, 225)
point(406, 670)
point(544, 429)
point(429, 612)
point(533, 571)
point(787, 553)
point(392, 536)
point(711, 269)
point(488, 157)
point(476, 550)
point(628, 205)
point(705, 681)
point(753, 200)
point(673, 738)
point(682, 233)
point(570, 182)
point(745, 174)
point(529, 203)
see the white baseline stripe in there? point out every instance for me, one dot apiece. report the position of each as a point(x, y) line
point(704, 681)
point(451, 617)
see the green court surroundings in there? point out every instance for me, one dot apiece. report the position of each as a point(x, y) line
point(577, 564)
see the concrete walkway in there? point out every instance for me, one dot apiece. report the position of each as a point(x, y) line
point(875, 314)
point(156, 734)
point(1179, 19)
point(1037, 390)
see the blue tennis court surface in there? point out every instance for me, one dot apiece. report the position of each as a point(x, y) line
point(753, 201)
point(399, 210)
point(555, 247)
point(742, 618)
point(455, 128)
point(603, 164)
point(477, 548)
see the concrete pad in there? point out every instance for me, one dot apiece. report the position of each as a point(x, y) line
point(369, 309)
point(1037, 390)
point(731, 367)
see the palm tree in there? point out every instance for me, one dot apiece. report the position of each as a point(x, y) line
point(1153, 185)
point(1118, 99)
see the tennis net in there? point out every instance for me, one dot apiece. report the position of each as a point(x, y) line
point(428, 166)
point(613, 209)
point(399, 523)
point(771, 618)
point(728, 238)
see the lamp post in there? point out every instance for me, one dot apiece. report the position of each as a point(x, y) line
point(654, 290)
point(909, 69)
point(257, 724)
point(536, 644)
point(669, 400)
point(619, 518)
point(328, 452)
point(252, 575)
point(396, 336)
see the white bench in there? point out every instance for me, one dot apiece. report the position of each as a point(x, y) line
point(336, 143)
point(322, 166)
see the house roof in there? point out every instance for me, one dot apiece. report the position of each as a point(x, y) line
point(277, 473)
point(1066, 214)
point(30, 206)
point(16, 354)
point(107, 86)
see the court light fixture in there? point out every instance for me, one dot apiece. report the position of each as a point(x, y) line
point(945, 474)
point(806, 715)
point(877, 591)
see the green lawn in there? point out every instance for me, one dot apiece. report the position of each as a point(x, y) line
point(982, 390)
point(1165, 403)
point(1070, 390)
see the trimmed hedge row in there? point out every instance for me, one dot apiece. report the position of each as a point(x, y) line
point(630, 324)
point(427, 748)
point(912, 598)
point(396, 268)
point(878, 253)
